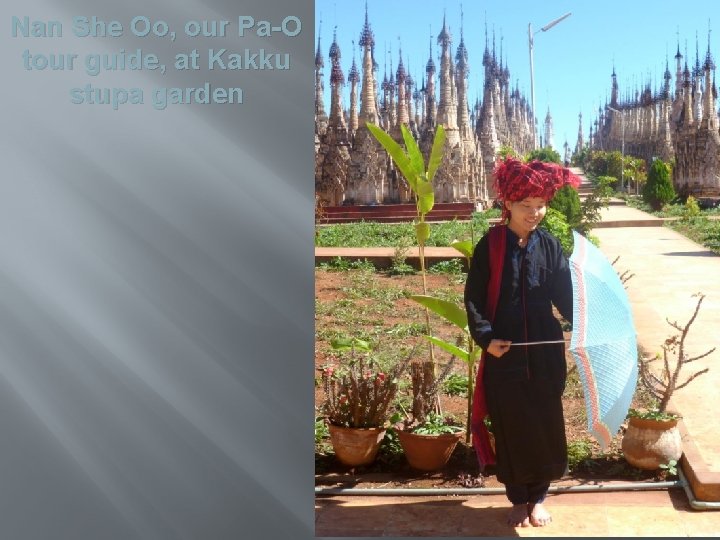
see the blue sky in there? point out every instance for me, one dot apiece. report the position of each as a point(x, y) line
point(573, 61)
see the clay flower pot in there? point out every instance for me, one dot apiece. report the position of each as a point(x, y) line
point(428, 452)
point(648, 443)
point(355, 446)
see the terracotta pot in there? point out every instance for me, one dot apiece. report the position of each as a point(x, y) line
point(428, 452)
point(647, 444)
point(355, 446)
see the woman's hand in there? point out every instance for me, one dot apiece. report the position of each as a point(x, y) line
point(498, 347)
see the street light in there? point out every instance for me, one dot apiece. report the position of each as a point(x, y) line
point(532, 74)
point(622, 166)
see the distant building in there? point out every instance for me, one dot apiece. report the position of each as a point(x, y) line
point(548, 141)
point(682, 125)
point(352, 168)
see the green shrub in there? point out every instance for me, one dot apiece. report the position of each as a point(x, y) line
point(321, 430)
point(691, 209)
point(578, 451)
point(658, 190)
point(399, 266)
point(506, 151)
point(609, 181)
point(556, 224)
point(452, 266)
point(581, 158)
point(590, 208)
point(711, 237)
point(567, 201)
point(456, 385)
point(547, 155)
point(602, 163)
point(371, 234)
point(670, 467)
point(437, 424)
point(342, 264)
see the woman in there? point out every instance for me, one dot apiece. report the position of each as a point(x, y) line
point(518, 272)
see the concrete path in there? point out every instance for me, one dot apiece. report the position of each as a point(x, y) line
point(613, 514)
point(668, 269)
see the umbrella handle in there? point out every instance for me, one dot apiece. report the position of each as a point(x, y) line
point(538, 342)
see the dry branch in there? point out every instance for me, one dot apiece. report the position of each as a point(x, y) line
point(663, 388)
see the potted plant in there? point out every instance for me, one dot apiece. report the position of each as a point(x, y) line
point(429, 445)
point(358, 393)
point(427, 437)
point(652, 437)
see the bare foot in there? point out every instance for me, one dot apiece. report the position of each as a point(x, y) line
point(518, 516)
point(539, 516)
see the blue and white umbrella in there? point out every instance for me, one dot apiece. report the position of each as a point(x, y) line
point(603, 342)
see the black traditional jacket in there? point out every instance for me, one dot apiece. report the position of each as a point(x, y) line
point(523, 388)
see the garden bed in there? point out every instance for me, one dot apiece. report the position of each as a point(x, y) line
point(363, 303)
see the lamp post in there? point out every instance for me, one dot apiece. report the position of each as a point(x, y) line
point(622, 151)
point(532, 73)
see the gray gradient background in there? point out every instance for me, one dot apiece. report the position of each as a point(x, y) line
point(156, 289)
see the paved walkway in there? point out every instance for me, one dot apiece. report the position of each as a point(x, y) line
point(624, 514)
point(668, 269)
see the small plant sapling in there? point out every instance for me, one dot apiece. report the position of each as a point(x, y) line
point(664, 386)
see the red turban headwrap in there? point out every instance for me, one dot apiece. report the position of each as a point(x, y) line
point(515, 180)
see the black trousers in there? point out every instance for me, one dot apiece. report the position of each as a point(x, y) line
point(527, 493)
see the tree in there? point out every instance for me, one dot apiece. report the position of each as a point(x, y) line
point(635, 171)
point(544, 154)
point(658, 190)
point(615, 164)
point(567, 202)
point(581, 158)
point(602, 163)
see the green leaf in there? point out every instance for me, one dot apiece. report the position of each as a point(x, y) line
point(436, 154)
point(426, 196)
point(396, 152)
point(475, 353)
point(447, 310)
point(346, 344)
point(463, 246)
point(422, 231)
point(413, 151)
point(462, 354)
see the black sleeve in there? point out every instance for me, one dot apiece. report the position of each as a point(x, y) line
point(476, 294)
point(562, 293)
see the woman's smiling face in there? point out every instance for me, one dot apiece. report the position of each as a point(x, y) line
point(526, 215)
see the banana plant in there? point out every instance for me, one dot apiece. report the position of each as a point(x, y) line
point(465, 247)
point(411, 164)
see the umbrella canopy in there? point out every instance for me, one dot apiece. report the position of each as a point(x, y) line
point(603, 342)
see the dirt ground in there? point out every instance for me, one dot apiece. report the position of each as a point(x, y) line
point(362, 295)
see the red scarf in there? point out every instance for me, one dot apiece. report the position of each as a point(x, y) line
point(480, 434)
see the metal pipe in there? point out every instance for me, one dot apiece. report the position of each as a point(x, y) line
point(627, 486)
point(694, 503)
